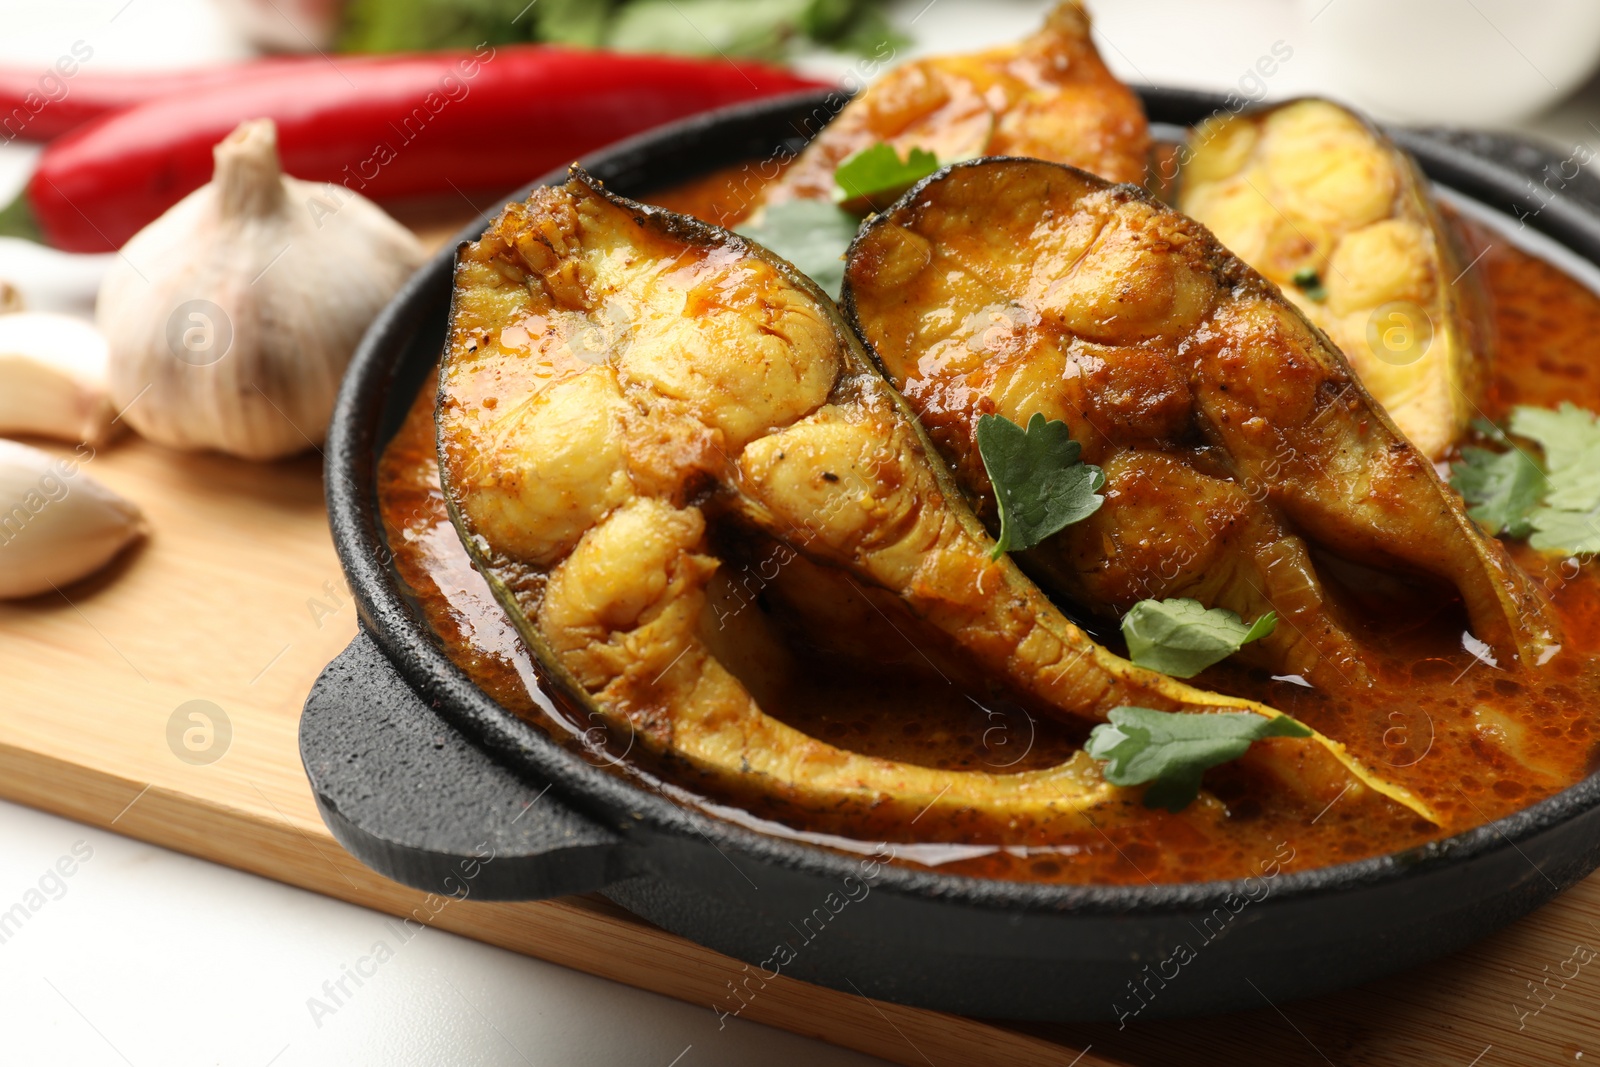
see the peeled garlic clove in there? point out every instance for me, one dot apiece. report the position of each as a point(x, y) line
point(231, 318)
point(57, 524)
point(46, 279)
point(53, 378)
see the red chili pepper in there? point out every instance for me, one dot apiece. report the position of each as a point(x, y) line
point(40, 105)
point(489, 120)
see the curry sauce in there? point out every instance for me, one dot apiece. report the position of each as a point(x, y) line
point(1475, 741)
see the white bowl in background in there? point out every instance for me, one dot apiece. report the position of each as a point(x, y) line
point(1463, 62)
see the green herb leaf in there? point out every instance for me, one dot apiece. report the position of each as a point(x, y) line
point(811, 234)
point(1576, 486)
point(1568, 520)
point(16, 220)
point(771, 29)
point(1564, 434)
point(877, 173)
point(1309, 282)
point(1503, 488)
point(1040, 484)
point(1489, 431)
point(1182, 637)
point(1172, 749)
point(868, 33)
point(578, 23)
point(753, 28)
point(1557, 508)
point(423, 25)
point(1566, 531)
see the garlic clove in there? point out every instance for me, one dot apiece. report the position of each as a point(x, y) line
point(232, 317)
point(53, 378)
point(57, 524)
point(47, 279)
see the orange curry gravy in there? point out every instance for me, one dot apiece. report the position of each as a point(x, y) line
point(1475, 741)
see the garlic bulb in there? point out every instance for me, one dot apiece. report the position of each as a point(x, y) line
point(53, 377)
point(57, 524)
point(231, 317)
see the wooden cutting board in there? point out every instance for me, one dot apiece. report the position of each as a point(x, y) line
point(237, 599)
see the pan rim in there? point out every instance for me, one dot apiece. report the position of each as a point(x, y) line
point(623, 804)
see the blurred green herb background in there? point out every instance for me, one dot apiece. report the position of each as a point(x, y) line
point(758, 29)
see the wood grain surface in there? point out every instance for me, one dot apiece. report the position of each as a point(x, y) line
point(236, 598)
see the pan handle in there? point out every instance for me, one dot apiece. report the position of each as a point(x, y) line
point(411, 798)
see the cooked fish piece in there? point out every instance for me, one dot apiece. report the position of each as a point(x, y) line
point(620, 383)
point(1340, 218)
point(1049, 96)
point(1233, 435)
point(1181, 526)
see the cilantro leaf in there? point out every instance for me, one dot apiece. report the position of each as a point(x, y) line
point(1172, 749)
point(811, 234)
point(1309, 282)
point(1575, 486)
point(877, 173)
point(1490, 431)
point(1040, 485)
point(1555, 530)
point(1502, 487)
point(1182, 637)
point(1568, 519)
point(1564, 434)
point(1557, 506)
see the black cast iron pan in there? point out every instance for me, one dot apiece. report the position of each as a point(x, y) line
point(422, 776)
